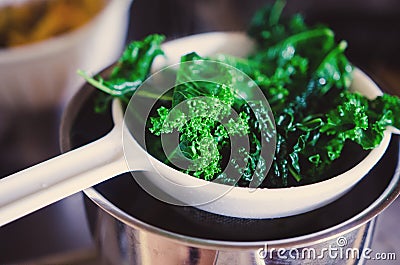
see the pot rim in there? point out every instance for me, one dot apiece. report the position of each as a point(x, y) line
point(385, 199)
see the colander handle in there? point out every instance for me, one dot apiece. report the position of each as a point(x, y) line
point(31, 189)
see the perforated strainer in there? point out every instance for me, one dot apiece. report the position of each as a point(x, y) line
point(43, 184)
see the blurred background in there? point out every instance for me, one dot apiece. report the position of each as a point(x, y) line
point(30, 115)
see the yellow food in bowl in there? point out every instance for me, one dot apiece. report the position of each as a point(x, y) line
point(36, 20)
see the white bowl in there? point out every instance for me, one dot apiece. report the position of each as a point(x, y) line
point(43, 74)
point(239, 201)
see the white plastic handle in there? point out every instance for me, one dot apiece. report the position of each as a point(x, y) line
point(38, 186)
point(31, 189)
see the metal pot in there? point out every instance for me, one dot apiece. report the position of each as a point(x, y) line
point(131, 227)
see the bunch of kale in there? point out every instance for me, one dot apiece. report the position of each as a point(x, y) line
point(304, 74)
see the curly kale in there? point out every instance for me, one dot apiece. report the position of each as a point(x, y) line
point(132, 68)
point(303, 72)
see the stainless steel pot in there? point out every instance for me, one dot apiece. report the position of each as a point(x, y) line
point(131, 227)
